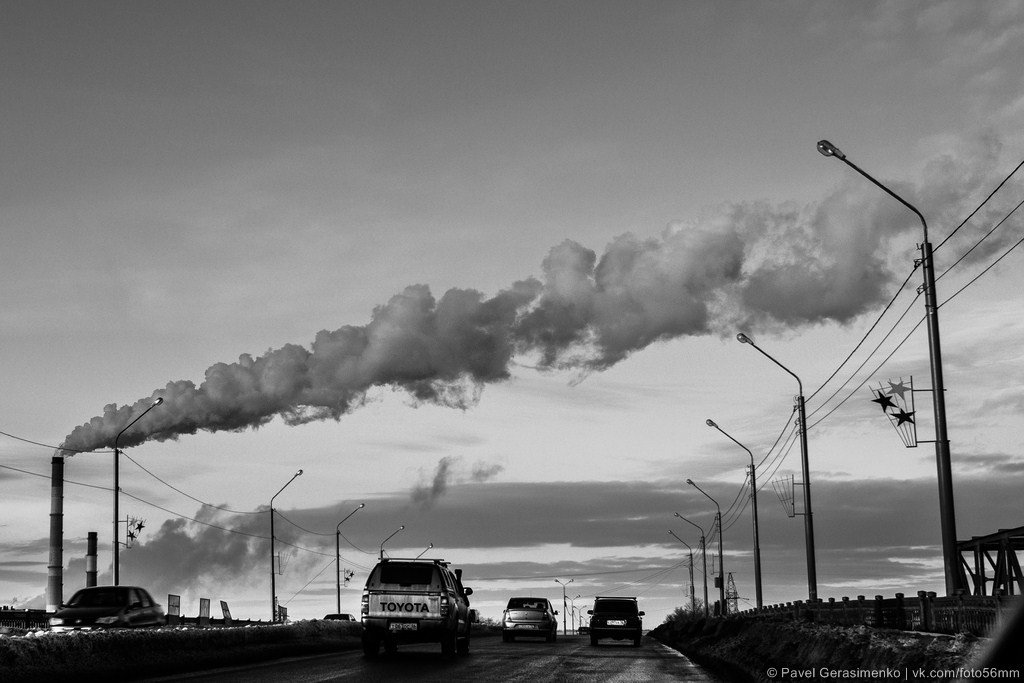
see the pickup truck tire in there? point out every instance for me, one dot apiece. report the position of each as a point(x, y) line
point(449, 644)
point(463, 645)
point(371, 647)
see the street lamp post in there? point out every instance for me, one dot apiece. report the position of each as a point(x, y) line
point(947, 510)
point(563, 602)
point(721, 560)
point(388, 539)
point(337, 552)
point(273, 578)
point(812, 574)
point(572, 607)
point(753, 501)
point(693, 599)
point(117, 489)
point(704, 558)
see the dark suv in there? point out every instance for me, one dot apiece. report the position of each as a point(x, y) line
point(616, 618)
point(415, 601)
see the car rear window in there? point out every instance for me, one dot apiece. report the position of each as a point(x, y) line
point(406, 573)
point(615, 606)
point(527, 603)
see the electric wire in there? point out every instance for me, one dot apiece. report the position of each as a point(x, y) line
point(982, 239)
point(899, 291)
point(66, 481)
point(964, 222)
point(46, 445)
point(861, 366)
point(309, 582)
point(769, 452)
point(312, 533)
point(877, 368)
point(173, 488)
point(976, 277)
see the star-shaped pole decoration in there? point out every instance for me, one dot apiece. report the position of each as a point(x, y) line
point(897, 402)
point(903, 416)
point(884, 400)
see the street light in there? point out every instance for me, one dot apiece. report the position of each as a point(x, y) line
point(947, 510)
point(273, 578)
point(337, 552)
point(812, 574)
point(424, 550)
point(388, 539)
point(693, 599)
point(753, 500)
point(117, 487)
point(563, 602)
point(721, 560)
point(704, 558)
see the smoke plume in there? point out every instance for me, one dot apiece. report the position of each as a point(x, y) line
point(448, 468)
point(753, 265)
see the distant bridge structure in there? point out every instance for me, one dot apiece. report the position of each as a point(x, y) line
point(996, 568)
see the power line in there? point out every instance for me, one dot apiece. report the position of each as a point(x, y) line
point(309, 582)
point(990, 266)
point(217, 507)
point(983, 238)
point(66, 481)
point(863, 363)
point(964, 222)
point(877, 368)
point(46, 445)
point(866, 334)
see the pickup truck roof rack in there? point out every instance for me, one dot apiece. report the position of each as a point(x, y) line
point(439, 561)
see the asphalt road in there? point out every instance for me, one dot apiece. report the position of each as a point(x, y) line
point(571, 658)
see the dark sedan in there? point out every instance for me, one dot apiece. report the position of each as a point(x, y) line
point(108, 607)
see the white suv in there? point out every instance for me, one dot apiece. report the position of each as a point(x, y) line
point(415, 601)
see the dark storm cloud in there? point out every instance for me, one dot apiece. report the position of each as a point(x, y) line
point(752, 265)
point(875, 533)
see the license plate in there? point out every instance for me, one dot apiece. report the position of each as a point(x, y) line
point(616, 622)
point(402, 626)
point(526, 626)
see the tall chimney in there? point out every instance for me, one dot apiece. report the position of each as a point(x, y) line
point(90, 561)
point(55, 569)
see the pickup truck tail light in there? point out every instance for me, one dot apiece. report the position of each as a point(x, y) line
point(364, 608)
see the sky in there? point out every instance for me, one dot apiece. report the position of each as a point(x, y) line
point(480, 266)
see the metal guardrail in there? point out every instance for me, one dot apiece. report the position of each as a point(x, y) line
point(977, 615)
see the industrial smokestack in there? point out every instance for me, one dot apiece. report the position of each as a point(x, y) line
point(55, 569)
point(90, 560)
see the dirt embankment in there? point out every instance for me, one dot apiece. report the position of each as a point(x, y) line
point(743, 650)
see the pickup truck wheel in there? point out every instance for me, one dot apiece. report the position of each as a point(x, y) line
point(463, 645)
point(448, 644)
